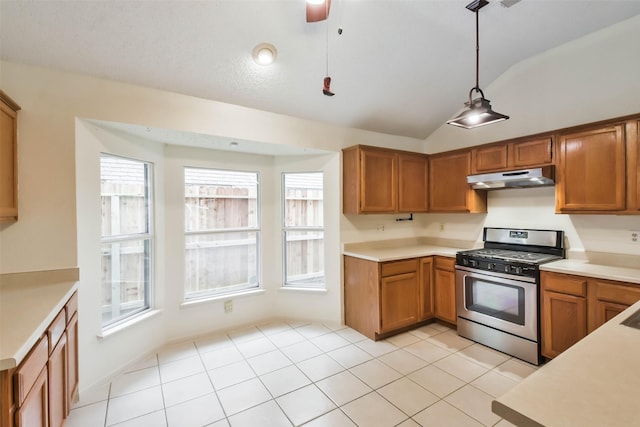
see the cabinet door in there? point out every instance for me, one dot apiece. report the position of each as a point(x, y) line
point(633, 164)
point(524, 154)
point(34, 411)
point(489, 159)
point(611, 298)
point(448, 187)
point(399, 301)
point(412, 183)
point(378, 181)
point(564, 322)
point(57, 370)
point(72, 361)
point(445, 295)
point(8, 164)
point(606, 311)
point(426, 299)
point(592, 171)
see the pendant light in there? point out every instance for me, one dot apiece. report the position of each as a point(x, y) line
point(477, 112)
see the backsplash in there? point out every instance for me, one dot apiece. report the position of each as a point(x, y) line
point(517, 208)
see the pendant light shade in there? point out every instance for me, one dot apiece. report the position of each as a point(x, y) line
point(477, 112)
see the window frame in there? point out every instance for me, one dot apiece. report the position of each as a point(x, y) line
point(286, 283)
point(146, 238)
point(232, 290)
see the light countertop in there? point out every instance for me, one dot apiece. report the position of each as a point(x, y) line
point(28, 304)
point(593, 383)
point(591, 269)
point(624, 268)
point(392, 250)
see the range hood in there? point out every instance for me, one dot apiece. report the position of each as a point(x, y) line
point(535, 177)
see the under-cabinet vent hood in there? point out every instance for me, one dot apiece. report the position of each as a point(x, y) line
point(535, 177)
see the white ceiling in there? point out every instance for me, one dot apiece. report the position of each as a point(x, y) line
point(401, 67)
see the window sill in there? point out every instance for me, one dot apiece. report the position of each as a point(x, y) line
point(217, 298)
point(303, 289)
point(128, 323)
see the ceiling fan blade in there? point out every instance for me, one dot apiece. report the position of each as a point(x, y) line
point(318, 12)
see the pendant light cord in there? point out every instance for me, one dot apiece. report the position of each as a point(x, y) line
point(327, 37)
point(477, 52)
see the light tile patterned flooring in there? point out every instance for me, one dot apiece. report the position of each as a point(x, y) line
point(316, 375)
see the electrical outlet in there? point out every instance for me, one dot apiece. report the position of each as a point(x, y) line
point(228, 306)
point(635, 237)
point(441, 226)
point(380, 227)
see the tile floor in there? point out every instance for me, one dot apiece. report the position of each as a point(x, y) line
point(293, 374)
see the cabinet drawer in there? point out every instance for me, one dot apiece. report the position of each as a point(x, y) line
point(616, 292)
point(72, 306)
point(565, 284)
point(399, 267)
point(29, 370)
point(444, 263)
point(56, 329)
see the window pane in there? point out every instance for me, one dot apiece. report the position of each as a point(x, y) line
point(125, 278)
point(303, 200)
point(124, 192)
point(303, 229)
point(217, 199)
point(304, 252)
point(220, 262)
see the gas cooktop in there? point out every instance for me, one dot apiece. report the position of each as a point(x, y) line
point(510, 255)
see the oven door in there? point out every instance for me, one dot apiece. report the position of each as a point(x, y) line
point(501, 301)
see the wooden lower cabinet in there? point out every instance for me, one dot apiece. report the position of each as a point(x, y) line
point(398, 301)
point(564, 322)
point(57, 369)
point(40, 390)
point(382, 298)
point(445, 289)
point(72, 360)
point(34, 411)
point(573, 306)
point(425, 290)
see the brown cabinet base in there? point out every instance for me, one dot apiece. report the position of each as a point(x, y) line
point(386, 298)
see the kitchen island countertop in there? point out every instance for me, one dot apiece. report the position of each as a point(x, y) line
point(28, 304)
point(593, 383)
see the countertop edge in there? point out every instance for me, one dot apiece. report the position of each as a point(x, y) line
point(512, 415)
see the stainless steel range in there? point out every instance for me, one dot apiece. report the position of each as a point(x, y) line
point(497, 289)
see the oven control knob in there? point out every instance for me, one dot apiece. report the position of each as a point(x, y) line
point(516, 270)
point(473, 262)
point(491, 266)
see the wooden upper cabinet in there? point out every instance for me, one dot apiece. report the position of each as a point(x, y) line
point(8, 159)
point(489, 159)
point(592, 171)
point(512, 155)
point(413, 176)
point(448, 187)
point(633, 164)
point(537, 152)
point(379, 180)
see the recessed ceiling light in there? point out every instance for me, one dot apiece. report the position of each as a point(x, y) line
point(264, 54)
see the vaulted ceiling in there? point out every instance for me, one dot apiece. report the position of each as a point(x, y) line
point(400, 67)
